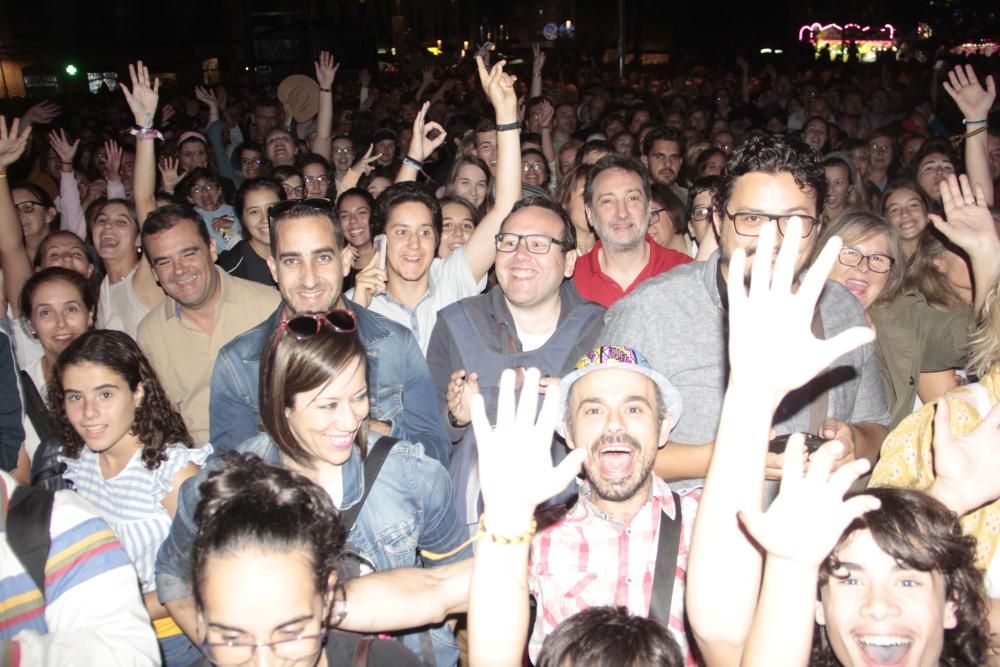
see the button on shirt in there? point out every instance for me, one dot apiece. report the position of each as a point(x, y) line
point(597, 286)
point(450, 280)
point(588, 559)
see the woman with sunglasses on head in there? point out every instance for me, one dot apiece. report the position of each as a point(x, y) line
point(316, 423)
point(127, 452)
point(248, 258)
point(254, 517)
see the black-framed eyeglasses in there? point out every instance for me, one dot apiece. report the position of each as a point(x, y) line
point(532, 166)
point(879, 148)
point(28, 207)
point(700, 213)
point(316, 179)
point(537, 244)
point(877, 262)
point(297, 191)
point(307, 325)
point(654, 215)
point(291, 649)
point(277, 209)
point(749, 223)
point(247, 161)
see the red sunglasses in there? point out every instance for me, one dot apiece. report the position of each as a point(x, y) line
point(306, 325)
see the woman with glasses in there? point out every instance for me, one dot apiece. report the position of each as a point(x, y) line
point(569, 194)
point(701, 237)
point(248, 258)
point(315, 423)
point(666, 218)
point(253, 518)
point(291, 181)
point(127, 452)
point(881, 158)
point(252, 162)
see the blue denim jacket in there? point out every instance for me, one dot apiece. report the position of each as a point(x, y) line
point(399, 385)
point(408, 510)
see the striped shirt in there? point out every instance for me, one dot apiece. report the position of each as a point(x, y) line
point(131, 500)
point(90, 613)
point(588, 560)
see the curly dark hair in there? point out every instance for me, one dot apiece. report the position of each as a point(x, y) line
point(157, 424)
point(774, 154)
point(922, 534)
point(247, 504)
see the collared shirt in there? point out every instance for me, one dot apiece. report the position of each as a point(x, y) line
point(183, 355)
point(597, 286)
point(450, 280)
point(588, 559)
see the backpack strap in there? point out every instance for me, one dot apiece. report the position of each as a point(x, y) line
point(361, 651)
point(28, 530)
point(666, 564)
point(373, 464)
point(35, 408)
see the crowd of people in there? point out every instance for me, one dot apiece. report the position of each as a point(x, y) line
point(447, 366)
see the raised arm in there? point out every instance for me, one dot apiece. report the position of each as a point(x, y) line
point(142, 99)
point(516, 474)
point(13, 256)
point(362, 167)
point(421, 145)
point(537, 66)
point(975, 103)
point(214, 130)
point(326, 72)
point(546, 114)
point(480, 251)
point(968, 224)
point(72, 218)
point(771, 351)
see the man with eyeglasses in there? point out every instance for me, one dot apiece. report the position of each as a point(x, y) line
point(678, 319)
point(533, 317)
point(617, 199)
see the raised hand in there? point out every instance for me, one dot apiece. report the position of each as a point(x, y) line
point(207, 97)
point(545, 114)
point(498, 85)
point(12, 142)
point(966, 468)
point(967, 222)
point(326, 69)
point(169, 167)
point(144, 96)
point(42, 113)
point(112, 169)
point(63, 148)
point(364, 77)
point(538, 59)
point(972, 99)
point(427, 136)
point(809, 515)
point(461, 389)
point(367, 162)
point(167, 113)
point(369, 282)
point(427, 71)
point(772, 323)
point(515, 459)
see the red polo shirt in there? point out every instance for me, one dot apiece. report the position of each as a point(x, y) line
point(595, 285)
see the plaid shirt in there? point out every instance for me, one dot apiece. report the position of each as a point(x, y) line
point(588, 559)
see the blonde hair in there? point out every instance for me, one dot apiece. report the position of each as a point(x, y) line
point(984, 342)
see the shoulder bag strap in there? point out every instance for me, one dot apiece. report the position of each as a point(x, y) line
point(361, 651)
point(35, 408)
point(666, 564)
point(373, 464)
point(28, 530)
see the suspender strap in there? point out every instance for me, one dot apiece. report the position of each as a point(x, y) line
point(666, 564)
point(377, 455)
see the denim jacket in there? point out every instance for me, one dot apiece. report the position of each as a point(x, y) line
point(408, 510)
point(399, 385)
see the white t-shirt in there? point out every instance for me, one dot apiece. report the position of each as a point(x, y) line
point(450, 280)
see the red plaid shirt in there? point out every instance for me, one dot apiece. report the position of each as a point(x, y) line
point(588, 560)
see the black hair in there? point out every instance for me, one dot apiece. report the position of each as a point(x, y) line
point(664, 133)
point(252, 185)
point(403, 193)
point(610, 637)
point(166, 217)
point(538, 201)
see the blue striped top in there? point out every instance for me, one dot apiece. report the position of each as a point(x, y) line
point(131, 500)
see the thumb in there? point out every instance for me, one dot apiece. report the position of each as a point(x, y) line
point(564, 473)
point(942, 422)
point(752, 521)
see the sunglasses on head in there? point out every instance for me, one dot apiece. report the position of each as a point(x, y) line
point(278, 209)
point(306, 325)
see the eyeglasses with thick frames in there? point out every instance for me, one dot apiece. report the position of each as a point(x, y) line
point(205, 187)
point(700, 213)
point(28, 207)
point(247, 161)
point(877, 262)
point(537, 244)
point(749, 223)
point(307, 325)
point(278, 209)
point(654, 215)
point(291, 649)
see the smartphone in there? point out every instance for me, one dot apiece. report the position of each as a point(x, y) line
point(379, 244)
point(777, 445)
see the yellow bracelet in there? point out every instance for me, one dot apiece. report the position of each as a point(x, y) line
point(483, 532)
